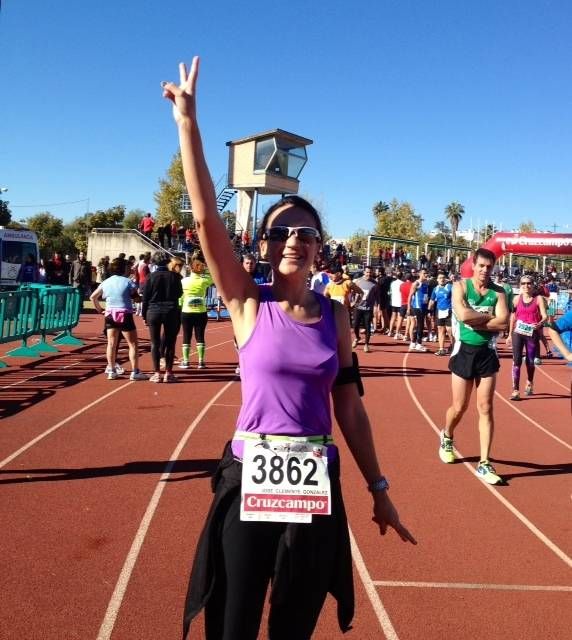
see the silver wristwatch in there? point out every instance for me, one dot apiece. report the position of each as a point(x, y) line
point(381, 484)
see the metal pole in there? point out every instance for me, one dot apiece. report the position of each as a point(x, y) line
point(368, 250)
point(254, 217)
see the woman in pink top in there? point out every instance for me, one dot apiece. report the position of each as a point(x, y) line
point(280, 435)
point(527, 318)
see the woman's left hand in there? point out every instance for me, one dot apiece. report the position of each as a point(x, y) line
point(385, 514)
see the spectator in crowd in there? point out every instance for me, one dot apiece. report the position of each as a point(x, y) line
point(80, 275)
point(162, 230)
point(319, 279)
point(250, 265)
point(146, 225)
point(173, 234)
point(57, 270)
point(118, 293)
point(101, 270)
point(161, 312)
point(29, 270)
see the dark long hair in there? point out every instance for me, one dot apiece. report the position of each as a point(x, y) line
point(295, 201)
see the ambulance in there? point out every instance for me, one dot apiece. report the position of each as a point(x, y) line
point(15, 246)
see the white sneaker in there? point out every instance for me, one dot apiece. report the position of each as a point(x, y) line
point(111, 375)
point(119, 370)
point(412, 346)
point(420, 347)
point(138, 375)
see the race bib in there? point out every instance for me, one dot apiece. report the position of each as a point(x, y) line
point(339, 299)
point(443, 313)
point(195, 302)
point(524, 328)
point(284, 481)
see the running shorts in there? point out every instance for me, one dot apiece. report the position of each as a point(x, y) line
point(444, 322)
point(403, 310)
point(128, 323)
point(395, 309)
point(471, 362)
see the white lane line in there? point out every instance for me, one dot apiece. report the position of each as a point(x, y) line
point(533, 422)
point(525, 521)
point(45, 373)
point(541, 370)
point(219, 404)
point(108, 623)
point(469, 585)
point(373, 595)
point(46, 433)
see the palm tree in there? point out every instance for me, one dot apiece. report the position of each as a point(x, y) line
point(454, 213)
point(379, 208)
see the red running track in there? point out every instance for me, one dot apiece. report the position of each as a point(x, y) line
point(104, 486)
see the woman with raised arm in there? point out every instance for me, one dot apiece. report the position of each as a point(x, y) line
point(277, 512)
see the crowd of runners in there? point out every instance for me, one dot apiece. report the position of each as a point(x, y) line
point(298, 319)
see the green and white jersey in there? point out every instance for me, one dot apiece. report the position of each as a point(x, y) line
point(194, 292)
point(483, 304)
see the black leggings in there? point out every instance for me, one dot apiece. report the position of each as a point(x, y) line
point(170, 322)
point(365, 315)
point(245, 566)
point(420, 314)
point(198, 321)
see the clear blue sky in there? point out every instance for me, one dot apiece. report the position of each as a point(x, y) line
point(424, 101)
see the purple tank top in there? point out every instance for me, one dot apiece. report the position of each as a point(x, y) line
point(528, 311)
point(287, 369)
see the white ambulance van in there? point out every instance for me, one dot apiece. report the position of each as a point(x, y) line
point(15, 246)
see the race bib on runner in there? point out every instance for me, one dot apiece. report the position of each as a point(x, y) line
point(195, 302)
point(443, 313)
point(284, 481)
point(524, 328)
point(339, 299)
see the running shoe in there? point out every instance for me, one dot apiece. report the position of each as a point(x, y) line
point(112, 375)
point(184, 364)
point(169, 377)
point(485, 471)
point(446, 449)
point(528, 389)
point(355, 343)
point(201, 365)
point(138, 375)
point(156, 377)
point(412, 346)
point(420, 347)
point(515, 396)
point(237, 371)
point(119, 370)
point(537, 361)
point(366, 348)
point(441, 352)
point(397, 336)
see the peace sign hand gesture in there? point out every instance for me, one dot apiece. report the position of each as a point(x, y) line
point(183, 96)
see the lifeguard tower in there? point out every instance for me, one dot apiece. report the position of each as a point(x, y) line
point(266, 163)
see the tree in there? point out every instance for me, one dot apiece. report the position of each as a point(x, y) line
point(133, 218)
point(5, 213)
point(454, 213)
point(526, 227)
point(379, 208)
point(397, 220)
point(358, 241)
point(111, 218)
point(50, 232)
point(229, 219)
point(170, 195)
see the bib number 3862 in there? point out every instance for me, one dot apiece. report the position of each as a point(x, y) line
point(284, 482)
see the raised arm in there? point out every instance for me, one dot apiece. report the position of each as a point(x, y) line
point(233, 283)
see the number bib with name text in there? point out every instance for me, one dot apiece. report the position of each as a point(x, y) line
point(284, 481)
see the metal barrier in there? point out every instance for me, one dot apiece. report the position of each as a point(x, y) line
point(39, 309)
point(60, 307)
point(19, 319)
point(215, 306)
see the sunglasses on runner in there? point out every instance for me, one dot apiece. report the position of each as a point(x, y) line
point(281, 234)
point(526, 282)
